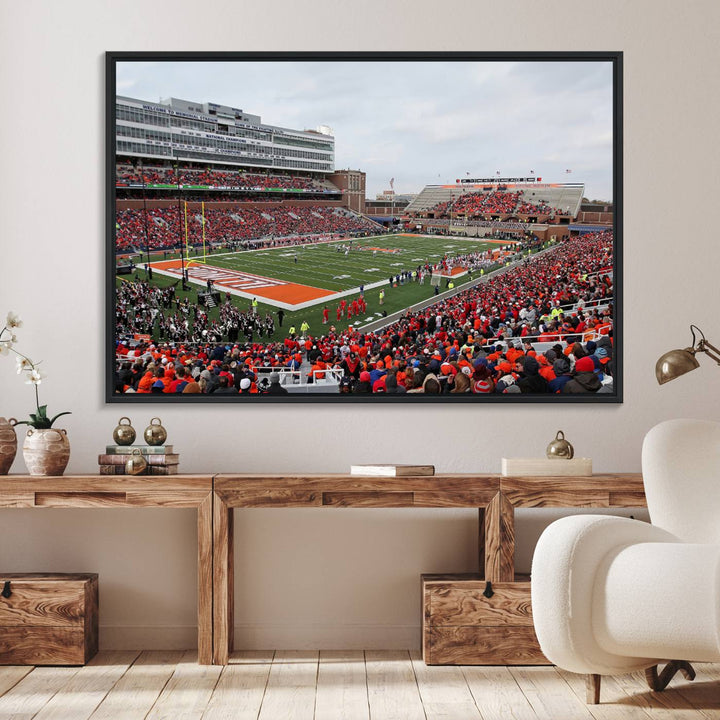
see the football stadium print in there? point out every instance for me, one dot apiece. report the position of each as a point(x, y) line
point(364, 229)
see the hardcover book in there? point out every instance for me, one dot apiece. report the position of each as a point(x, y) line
point(110, 459)
point(392, 470)
point(150, 470)
point(144, 449)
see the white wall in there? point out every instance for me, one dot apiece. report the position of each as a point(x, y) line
point(330, 578)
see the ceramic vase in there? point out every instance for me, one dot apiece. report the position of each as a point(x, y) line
point(8, 444)
point(47, 451)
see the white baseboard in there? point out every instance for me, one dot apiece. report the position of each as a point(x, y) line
point(265, 637)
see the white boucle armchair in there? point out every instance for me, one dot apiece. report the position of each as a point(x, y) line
point(614, 595)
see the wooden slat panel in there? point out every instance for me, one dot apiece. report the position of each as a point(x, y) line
point(392, 689)
point(615, 704)
point(704, 692)
point(188, 691)
point(670, 704)
point(243, 491)
point(499, 540)
point(290, 691)
point(17, 500)
point(223, 580)
point(273, 498)
point(444, 692)
point(28, 645)
point(483, 646)
point(168, 498)
point(33, 692)
point(43, 603)
point(452, 498)
point(497, 694)
point(103, 483)
point(239, 692)
point(367, 499)
point(79, 499)
point(481, 541)
point(558, 497)
point(465, 604)
point(205, 580)
point(138, 689)
point(627, 499)
point(548, 694)
point(92, 618)
point(591, 491)
point(36, 576)
point(87, 688)
point(341, 686)
point(11, 675)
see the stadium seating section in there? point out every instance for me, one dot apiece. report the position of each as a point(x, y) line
point(165, 226)
point(443, 200)
point(216, 178)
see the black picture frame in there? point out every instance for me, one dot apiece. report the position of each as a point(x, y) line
point(615, 58)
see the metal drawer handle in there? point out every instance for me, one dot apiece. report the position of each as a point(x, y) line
point(6, 592)
point(488, 592)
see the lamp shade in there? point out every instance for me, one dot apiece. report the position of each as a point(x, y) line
point(675, 363)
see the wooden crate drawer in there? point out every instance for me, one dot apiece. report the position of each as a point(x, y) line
point(482, 646)
point(463, 603)
point(48, 619)
point(461, 626)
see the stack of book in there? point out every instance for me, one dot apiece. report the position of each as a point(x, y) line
point(160, 459)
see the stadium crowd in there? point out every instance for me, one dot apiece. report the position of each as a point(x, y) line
point(211, 177)
point(544, 326)
point(166, 225)
point(474, 204)
point(479, 203)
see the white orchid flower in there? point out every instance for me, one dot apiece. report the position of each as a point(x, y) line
point(35, 377)
point(13, 320)
point(23, 364)
point(5, 346)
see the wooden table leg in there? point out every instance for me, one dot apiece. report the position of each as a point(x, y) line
point(499, 540)
point(223, 581)
point(205, 580)
point(481, 541)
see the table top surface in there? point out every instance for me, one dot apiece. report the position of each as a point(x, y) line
point(339, 490)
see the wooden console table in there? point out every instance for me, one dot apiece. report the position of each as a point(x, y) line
point(495, 497)
point(215, 497)
point(92, 491)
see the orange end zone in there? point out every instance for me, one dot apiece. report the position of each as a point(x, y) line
point(223, 278)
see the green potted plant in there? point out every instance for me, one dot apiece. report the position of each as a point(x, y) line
point(46, 449)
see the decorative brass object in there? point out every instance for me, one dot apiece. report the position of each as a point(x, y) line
point(560, 448)
point(678, 362)
point(155, 434)
point(124, 434)
point(136, 463)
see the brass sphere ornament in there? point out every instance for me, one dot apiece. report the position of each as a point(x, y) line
point(124, 433)
point(136, 463)
point(155, 433)
point(560, 448)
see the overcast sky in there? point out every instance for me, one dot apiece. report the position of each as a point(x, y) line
point(419, 122)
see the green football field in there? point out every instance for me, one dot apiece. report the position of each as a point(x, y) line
point(327, 266)
point(323, 266)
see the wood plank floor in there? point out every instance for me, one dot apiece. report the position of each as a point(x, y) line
point(344, 685)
